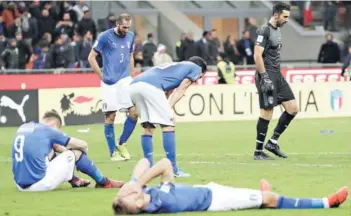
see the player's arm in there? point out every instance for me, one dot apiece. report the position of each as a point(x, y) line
point(132, 70)
point(94, 64)
point(162, 168)
point(179, 92)
point(95, 51)
point(262, 36)
point(77, 144)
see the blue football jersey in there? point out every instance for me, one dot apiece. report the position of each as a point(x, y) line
point(30, 149)
point(169, 76)
point(115, 52)
point(178, 198)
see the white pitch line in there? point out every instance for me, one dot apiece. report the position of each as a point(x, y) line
point(272, 164)
point(250, 154)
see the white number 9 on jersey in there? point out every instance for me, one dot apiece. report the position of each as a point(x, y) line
point(18, 146)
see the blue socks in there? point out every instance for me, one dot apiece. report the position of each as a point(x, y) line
point(128, 129)
point(302, 203)
point(110, 137)
point(170, 147)
point(85, 165)
point(148, 149)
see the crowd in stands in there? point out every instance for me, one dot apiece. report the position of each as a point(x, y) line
point(48, 34)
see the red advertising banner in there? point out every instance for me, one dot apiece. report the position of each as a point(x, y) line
point(76, 80)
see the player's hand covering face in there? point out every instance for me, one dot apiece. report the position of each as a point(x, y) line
point(129, 188)
point(282, 18)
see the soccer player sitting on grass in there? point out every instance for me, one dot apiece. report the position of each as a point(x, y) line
point(34, 168)
point(135, 198)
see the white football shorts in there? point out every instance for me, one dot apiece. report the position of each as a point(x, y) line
point(226, 198)
point(58, 171)
point(115, 97)
point(151, 104)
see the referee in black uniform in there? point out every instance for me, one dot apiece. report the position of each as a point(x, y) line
point(272, 87)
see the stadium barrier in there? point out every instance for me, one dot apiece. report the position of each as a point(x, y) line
point(320, 93)
point(205, 103)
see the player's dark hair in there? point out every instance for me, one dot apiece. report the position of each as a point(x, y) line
point(279, 7)
point(200, 62)
point(118, 209)
point(53, 114)
point(124, 17)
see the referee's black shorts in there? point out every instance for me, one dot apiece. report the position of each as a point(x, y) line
point(282, 91)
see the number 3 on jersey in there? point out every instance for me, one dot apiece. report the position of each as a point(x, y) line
point(18, 146)
point(122, 58)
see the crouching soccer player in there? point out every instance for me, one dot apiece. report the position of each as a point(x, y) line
point(135, 198)
point(34, 144)
point(149, 92)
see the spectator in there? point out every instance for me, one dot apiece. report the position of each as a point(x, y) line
point(29, 27)
point(188, 47)
point(110, 21)
point(231, 50)
point(34, 9)
point(149, 48)
point(9, 56)
point(67, 7)
point(10, 14)
point(2, 26)
point(215, 41)
point(39, 59)
point(179, 45)
point(52, 10)
point(15, 27)
point(79, 9)
point(225, 69)
point(329, 52)
point(138, 46)
point(45, 41)
point(3, 44)
point(24, 51)
point(160, 56)
point(84, 50)
point(202, 47)
point(330, 11)
point(246, 48)
point(251, 28)
point(46, 23)
point(65, 26)
point(138, 59)
point(86, 24)
point(62, 53)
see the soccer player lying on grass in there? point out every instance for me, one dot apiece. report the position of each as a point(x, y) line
point(135, 198)
point(34, 144)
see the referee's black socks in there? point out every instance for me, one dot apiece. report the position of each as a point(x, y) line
point(283, 123)
point(262, 127)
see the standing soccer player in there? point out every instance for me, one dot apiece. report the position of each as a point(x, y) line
point(116, 48)
point(149, 92)
point(271, 85)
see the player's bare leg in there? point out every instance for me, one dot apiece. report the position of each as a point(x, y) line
point(87, 166)
point(261, 129)
point(110, 136)
point(169, 146)
point(129, 126)
point(274, 200)
point(291, 111)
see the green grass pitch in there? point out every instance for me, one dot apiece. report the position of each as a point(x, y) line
point(318, 164)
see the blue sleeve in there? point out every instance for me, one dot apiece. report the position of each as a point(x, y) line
point(100, 43)
point(194, 73)
point(57, 137)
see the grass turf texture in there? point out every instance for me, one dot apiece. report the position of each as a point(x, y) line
point(318, 164)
